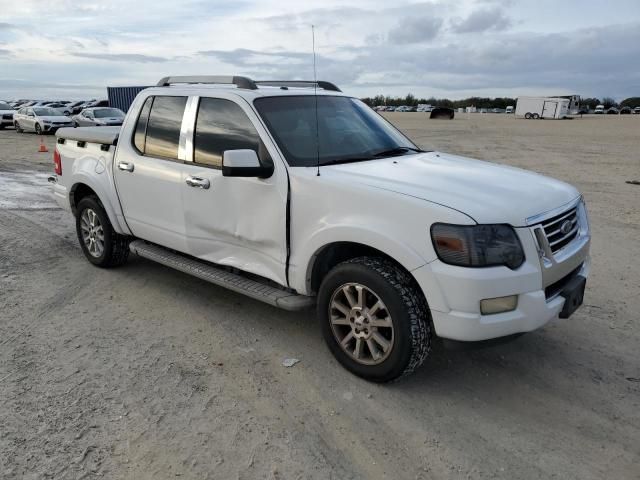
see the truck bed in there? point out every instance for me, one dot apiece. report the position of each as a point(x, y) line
point(101, 135)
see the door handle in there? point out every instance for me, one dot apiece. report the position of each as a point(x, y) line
point(125, 166)
point(198, 182)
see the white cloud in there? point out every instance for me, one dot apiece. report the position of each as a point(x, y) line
point(438, 47)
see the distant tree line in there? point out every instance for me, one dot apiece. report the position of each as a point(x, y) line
point(486, 102)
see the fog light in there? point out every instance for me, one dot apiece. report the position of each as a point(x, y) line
point(489, 306)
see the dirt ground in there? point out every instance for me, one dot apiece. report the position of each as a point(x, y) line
point(145, 373)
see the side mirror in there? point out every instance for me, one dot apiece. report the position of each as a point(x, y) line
point(244, 163)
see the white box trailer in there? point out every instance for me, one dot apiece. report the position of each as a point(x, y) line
point(542, 107)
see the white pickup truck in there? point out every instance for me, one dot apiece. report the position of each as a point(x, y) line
point(296, 194)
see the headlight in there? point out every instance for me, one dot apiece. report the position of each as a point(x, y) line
point(477, 245)
point(47, 122)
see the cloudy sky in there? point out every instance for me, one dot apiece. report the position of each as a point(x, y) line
point(456, 48)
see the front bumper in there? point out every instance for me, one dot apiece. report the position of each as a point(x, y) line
point(534, 310)
point(454, 293)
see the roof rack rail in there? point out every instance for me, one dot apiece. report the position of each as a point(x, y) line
point(299, 83)
point(240, 82)
point(245, 82)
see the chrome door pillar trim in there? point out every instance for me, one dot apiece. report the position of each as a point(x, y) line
point(185, 144)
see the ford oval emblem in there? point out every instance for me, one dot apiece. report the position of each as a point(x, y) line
point(566, 227)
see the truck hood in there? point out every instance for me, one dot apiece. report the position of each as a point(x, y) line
point(487, 192)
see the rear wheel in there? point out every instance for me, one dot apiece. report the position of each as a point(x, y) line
point(535, 116)
point(374, 319)
point(101, 244)
point(18, 127)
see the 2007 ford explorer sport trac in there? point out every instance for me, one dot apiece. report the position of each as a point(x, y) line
point(296, 194)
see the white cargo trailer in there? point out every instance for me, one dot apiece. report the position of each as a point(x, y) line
point(542, 107)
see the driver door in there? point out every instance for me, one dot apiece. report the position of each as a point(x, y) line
point(240, 222)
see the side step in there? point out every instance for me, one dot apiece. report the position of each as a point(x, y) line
point(205, 271)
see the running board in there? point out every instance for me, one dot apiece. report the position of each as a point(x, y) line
point(205, 271)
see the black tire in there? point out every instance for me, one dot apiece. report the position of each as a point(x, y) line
point(38, 129)
point(405, 303)
point(75, 125)
point(18, 128)
point(527, 115)
point(115, 246)
point(535, 116)
point(1, 127)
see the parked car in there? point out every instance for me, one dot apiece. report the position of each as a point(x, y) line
point(17, 103)
point(74, 107)
point(509, 109)
point(60, 106)
point(612, 111)
point(96, 103)
point(99, 117)
point(636, 110)
point(6, 115)
point(625, 111)
point(40, 120)
point(229, 185)
point(599, 110)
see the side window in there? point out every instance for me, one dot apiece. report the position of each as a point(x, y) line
point(222, 125)
point(141, 126)
point(163, 127)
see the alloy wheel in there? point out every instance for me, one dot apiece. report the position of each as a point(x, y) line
point(92, 233)
point(361, 324)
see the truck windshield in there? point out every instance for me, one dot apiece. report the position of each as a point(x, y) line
point(347, 130)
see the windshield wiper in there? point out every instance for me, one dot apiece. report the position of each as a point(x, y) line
point(346, 160)
point(384, 153)
point(396, 151)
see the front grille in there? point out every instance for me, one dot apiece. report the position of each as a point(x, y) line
point(556, 237)
point(7, 117)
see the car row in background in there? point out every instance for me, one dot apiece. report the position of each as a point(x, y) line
point(65, 106)
point(47, 119)
point(600, 109)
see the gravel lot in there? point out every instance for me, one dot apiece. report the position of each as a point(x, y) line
point(143, 372)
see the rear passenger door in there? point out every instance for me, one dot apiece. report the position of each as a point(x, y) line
point(148, 173)
point(240, 222)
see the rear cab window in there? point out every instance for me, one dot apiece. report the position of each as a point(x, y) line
point(157, 132)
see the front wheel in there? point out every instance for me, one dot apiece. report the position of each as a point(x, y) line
point(374, 319)
point(38, 129)
point(101, 244)
point(18, 128)
point(527, 115)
